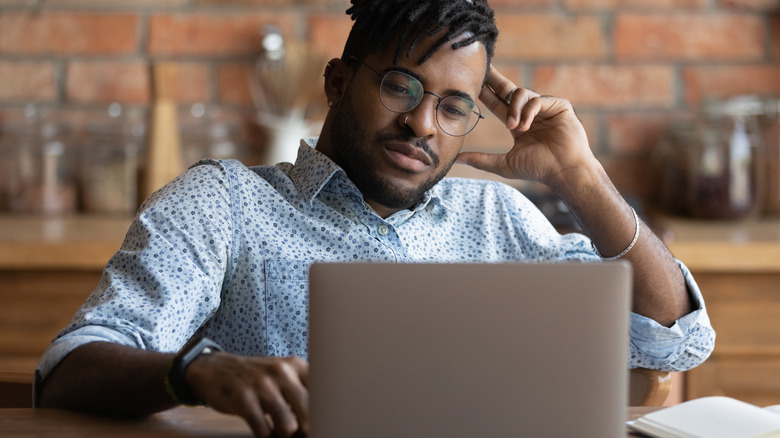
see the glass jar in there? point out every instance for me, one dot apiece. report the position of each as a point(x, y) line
point(42, 179)
point(726, 159)
point(770, 128)
point(110, 162)
point(672, 163)
point(208, 133)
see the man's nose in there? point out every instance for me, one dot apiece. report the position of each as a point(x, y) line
point(422, 118)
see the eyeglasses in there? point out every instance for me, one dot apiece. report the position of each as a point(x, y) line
point(400, 93)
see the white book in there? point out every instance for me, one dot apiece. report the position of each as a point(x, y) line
point(710, 417)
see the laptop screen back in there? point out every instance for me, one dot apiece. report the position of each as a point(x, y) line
point(422, 350)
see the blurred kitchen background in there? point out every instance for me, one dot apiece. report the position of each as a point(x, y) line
point(114, 91)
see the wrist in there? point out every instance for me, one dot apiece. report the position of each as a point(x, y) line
point(175, 382)
point(580, 182)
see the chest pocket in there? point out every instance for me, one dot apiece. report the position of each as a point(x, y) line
point(287, 307)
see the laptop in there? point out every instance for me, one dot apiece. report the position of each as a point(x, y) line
point(468, 350)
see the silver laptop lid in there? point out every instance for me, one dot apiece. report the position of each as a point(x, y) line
point(425, 350)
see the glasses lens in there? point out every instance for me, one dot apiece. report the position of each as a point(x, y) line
point(457, 116)
point(400, 92)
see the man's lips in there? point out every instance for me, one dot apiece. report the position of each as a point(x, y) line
point(410, 151)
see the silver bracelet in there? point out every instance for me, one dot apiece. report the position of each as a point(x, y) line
point(630, 245)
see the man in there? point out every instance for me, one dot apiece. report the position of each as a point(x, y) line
point(223, 251)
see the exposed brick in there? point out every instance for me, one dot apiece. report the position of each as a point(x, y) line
point(498, 4)
point(590, 121)
point(328, 33)
point(272, 3)
point(632, 175)
point(607, 85)
point(636, 4)
point(726, 81)
point(775, 37)
point(681, 36)
point(489, 135)
point(212, 34)
point(27, 81)
point(65, 33)
point(125, 4)
point(637, 133)
point(108, 81)
point(233, 83)
point(550, 37)
point(192, 84)
point(216, 3)
point(756, 5)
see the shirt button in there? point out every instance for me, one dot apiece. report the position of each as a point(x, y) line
point(383, 230)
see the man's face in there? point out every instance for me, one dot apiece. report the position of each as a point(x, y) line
point(394, 158)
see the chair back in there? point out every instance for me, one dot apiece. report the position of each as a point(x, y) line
point(16, 389)
point(648, 387)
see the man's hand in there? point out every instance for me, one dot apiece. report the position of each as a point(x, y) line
point(549, 140)
point(269, 393)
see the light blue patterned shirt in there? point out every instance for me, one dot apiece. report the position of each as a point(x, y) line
point(224, 250)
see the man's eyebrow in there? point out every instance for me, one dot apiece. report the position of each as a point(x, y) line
point(450, 92)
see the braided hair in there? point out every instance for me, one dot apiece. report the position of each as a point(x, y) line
point(377, 22)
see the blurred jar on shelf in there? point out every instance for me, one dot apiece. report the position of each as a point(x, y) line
point(112, 146)
point(41, 177)
point(671, 161)
point(770, 128)
point(714, 164)
point(208, 132)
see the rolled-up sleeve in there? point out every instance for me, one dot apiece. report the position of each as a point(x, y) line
point(683, 346)
point(166, 279)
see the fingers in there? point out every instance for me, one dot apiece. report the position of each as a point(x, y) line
point(269, 393)
point(507, 101)
point(284, 397)
point(293, 389)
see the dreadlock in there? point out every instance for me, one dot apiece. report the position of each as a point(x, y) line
point(377, 22)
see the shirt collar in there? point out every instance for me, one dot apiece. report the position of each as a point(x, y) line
point(313, 170)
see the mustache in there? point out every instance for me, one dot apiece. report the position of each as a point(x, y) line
point(419, 142)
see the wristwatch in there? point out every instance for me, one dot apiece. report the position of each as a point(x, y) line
point(174, 376)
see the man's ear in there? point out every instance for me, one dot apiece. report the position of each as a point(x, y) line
point(337, 77)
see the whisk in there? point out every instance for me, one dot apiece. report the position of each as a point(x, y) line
point(286, 76)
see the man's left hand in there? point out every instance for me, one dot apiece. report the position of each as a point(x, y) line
point(549, 140)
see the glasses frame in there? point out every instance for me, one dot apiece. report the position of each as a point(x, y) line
point(478, 111)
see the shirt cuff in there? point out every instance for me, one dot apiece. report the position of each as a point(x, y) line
point(64, 345)
point(690, 339)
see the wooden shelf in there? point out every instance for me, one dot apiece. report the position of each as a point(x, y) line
point(87, 242)
point(748, 246)
point(68, 242)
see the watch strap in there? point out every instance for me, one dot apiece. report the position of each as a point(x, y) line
point(175, 384)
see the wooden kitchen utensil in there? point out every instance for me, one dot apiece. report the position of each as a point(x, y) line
point(163, 157)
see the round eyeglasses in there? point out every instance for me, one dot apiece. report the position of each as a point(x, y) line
point(400, 93)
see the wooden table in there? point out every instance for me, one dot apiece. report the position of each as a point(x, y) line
point(179, 422)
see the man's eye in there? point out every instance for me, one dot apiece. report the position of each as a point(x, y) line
point(455, 110)
point(396, 88)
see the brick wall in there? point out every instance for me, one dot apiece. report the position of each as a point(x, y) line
point(629, 66)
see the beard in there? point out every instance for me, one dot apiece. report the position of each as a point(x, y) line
point(354, 154)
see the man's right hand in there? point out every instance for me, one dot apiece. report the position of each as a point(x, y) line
point(269, 393)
